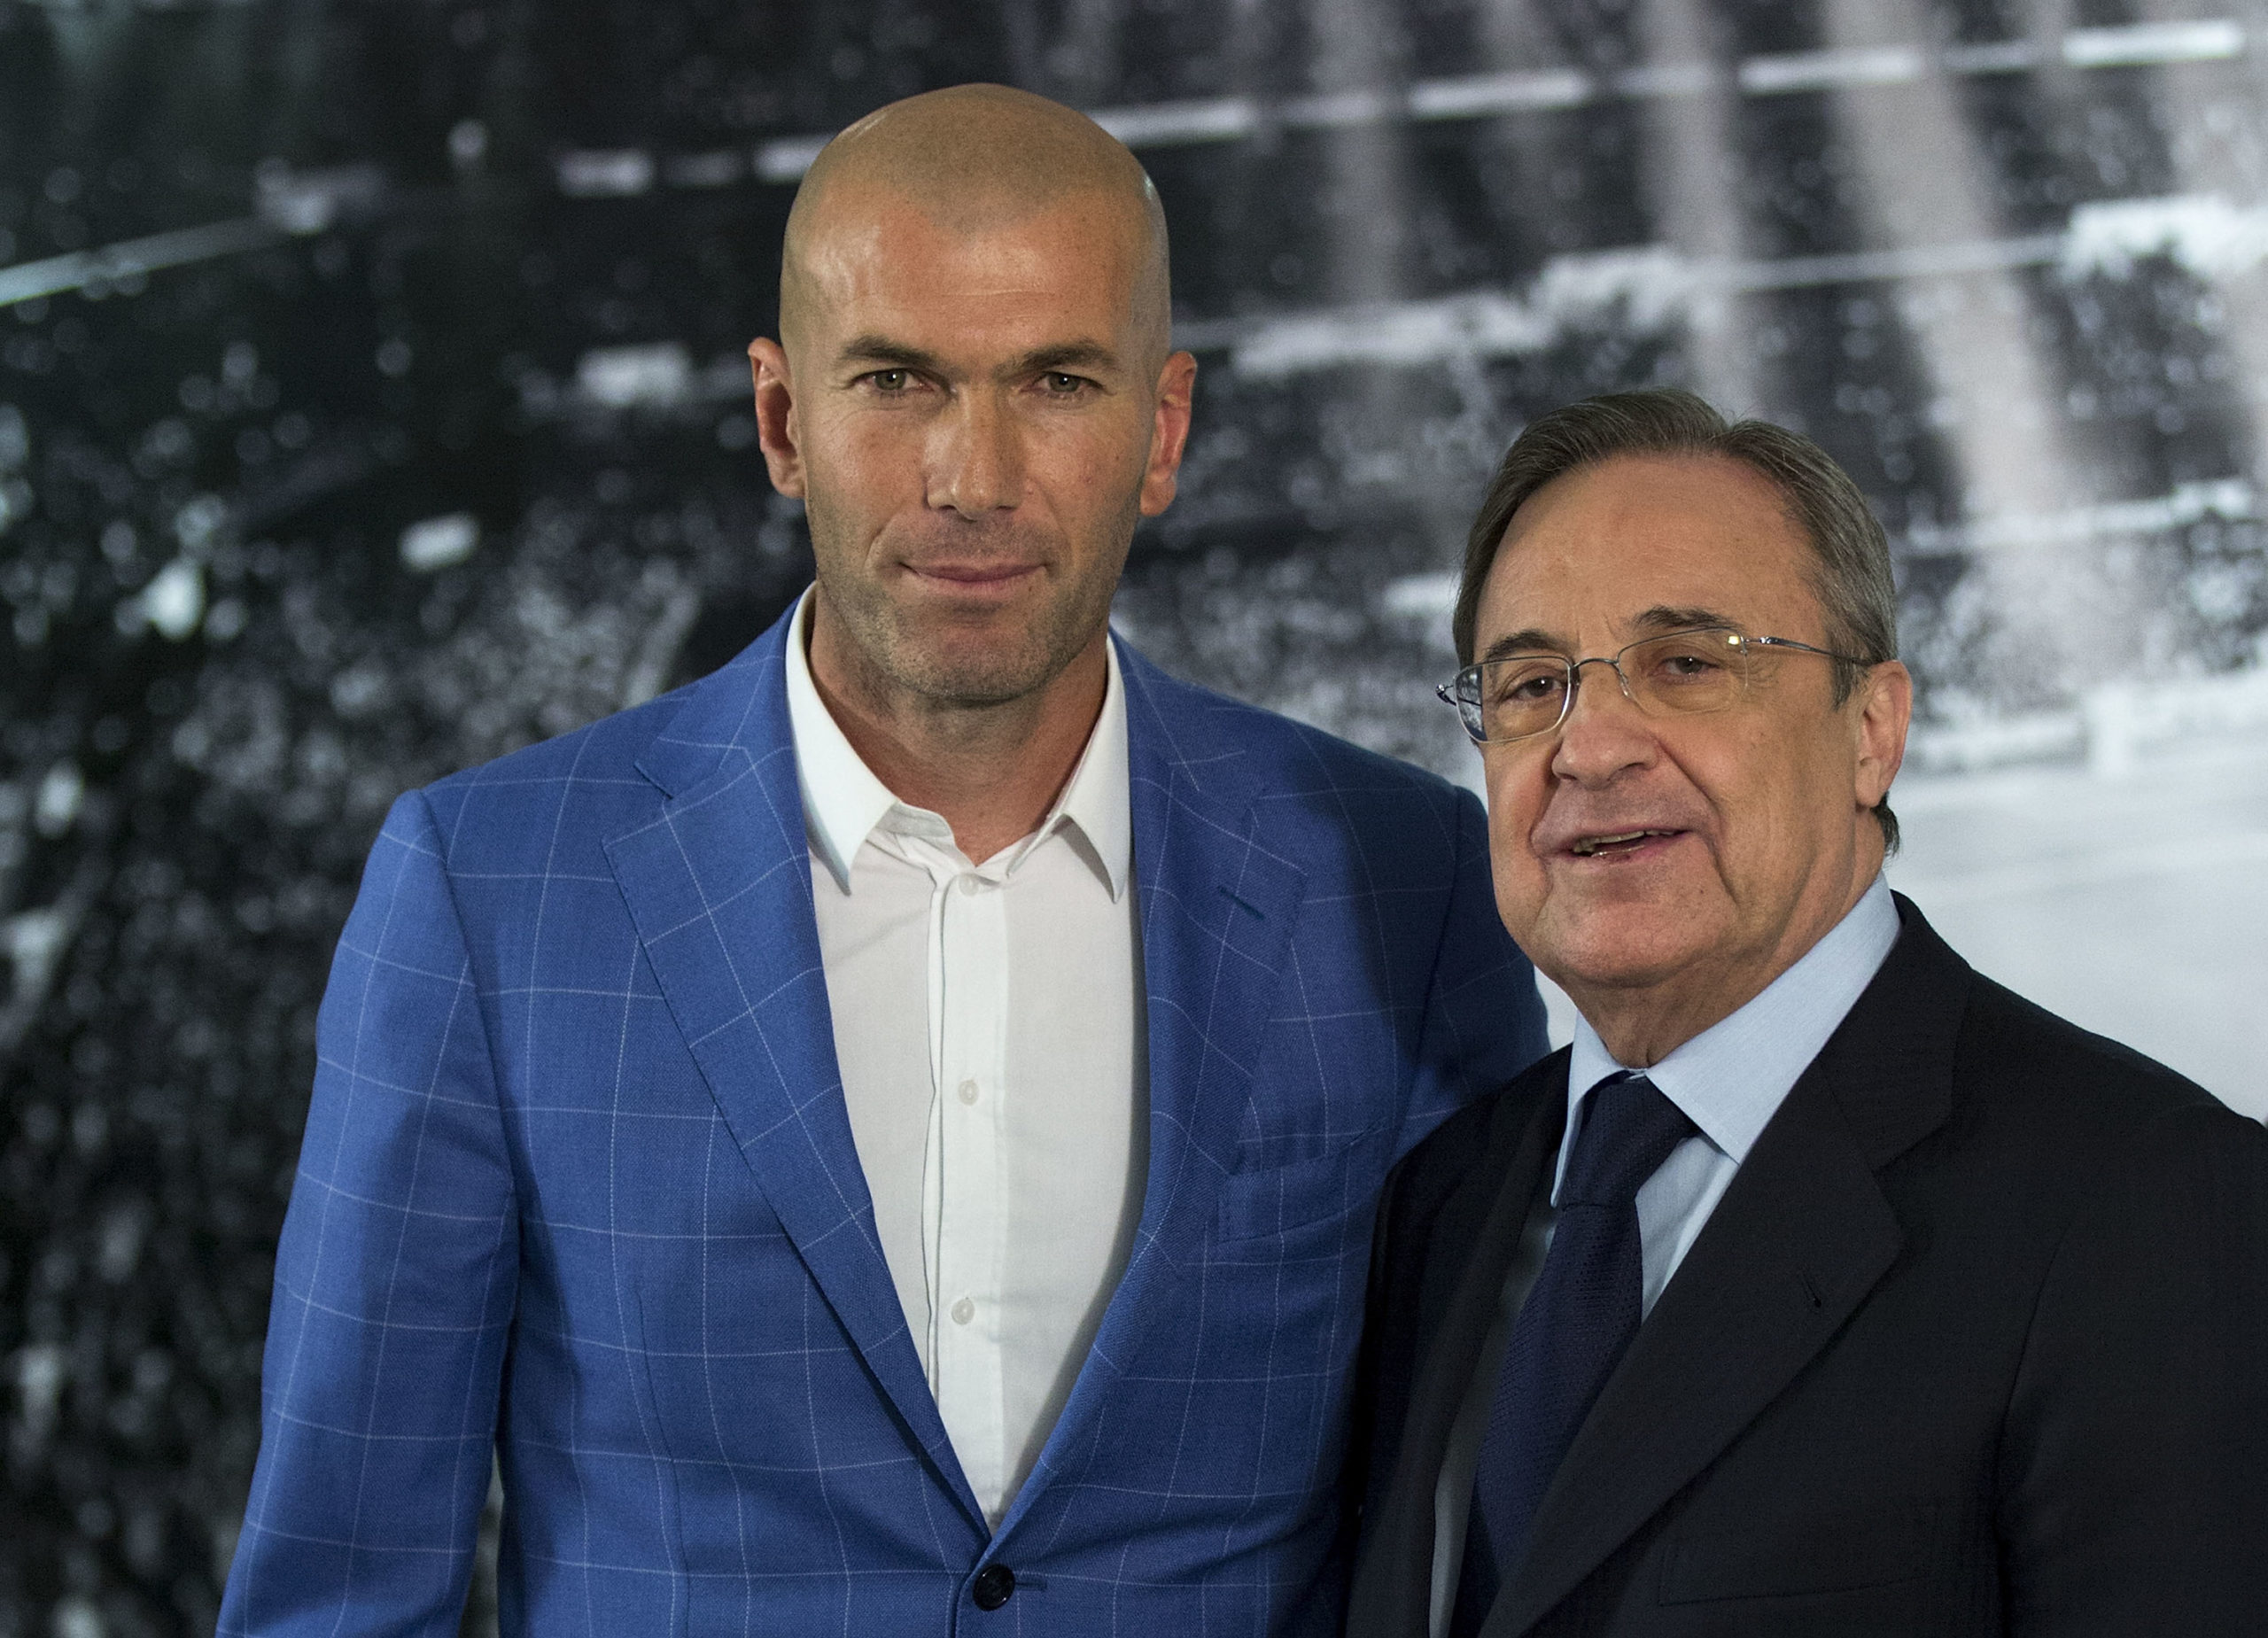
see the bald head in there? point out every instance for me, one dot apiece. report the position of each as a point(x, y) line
point(969, 158)
point(973, 395)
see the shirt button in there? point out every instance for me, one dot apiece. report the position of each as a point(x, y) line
point(994, 1584)
point(964, 1311)
point(969, 1092)
point(971, 884)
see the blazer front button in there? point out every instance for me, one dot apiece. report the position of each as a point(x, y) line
point(994, 1585)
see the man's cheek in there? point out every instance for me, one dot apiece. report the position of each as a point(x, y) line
point(1520, 886)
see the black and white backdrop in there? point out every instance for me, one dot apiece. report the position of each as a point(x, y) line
point(372, 402)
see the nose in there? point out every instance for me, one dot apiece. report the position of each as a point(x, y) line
point(976, 456)
point(1605, 733)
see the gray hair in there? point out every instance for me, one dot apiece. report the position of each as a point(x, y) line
point(1850, 573)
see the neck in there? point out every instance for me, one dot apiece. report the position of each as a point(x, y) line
point(991, 771)
point(1639, 1030)
point(1641, 1024)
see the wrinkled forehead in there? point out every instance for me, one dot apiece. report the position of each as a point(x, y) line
point(1599, 553)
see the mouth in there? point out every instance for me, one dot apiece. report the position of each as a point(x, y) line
point(1621, 843)
point(973, 578)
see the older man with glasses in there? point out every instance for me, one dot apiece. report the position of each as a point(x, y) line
point(1823, 1285)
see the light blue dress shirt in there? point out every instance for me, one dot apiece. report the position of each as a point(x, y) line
point(1729, 1080)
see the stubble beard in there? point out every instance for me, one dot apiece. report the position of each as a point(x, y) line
point(965, 664)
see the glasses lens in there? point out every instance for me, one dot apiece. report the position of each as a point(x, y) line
point(1464, 693)
point(1517, 697)
point(1687, 672)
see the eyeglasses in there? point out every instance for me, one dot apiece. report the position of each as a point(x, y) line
point(1677, 674)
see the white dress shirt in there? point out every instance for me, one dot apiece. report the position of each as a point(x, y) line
point(1729, 1080)
point(990, 1024)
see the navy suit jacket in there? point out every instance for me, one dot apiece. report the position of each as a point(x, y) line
point(578, 1185)
point(1976, 1346)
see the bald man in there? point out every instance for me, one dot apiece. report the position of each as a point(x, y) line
point(884, 1140)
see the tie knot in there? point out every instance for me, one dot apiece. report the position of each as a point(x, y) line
point(1629, 1129)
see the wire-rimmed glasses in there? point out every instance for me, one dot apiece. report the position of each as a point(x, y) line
point(1707, 668)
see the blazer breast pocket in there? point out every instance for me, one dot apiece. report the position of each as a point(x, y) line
point(1792, 1557)
point(1295, 1194)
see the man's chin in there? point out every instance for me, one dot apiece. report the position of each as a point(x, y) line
point(969, 653)
point(973, 669)
point(1619, 949)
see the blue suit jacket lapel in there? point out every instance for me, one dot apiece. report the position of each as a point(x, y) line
point(719, 887)
point(1218, 908)
point(1217, 911)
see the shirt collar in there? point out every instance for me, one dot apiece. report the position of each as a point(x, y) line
point(844, 802)
point(1098, 798)
point(1732, 1077)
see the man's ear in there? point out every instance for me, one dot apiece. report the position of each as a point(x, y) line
point(1168, 433)
point(776, 430)
point(1885, 712)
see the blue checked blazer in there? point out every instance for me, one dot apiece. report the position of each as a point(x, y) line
point(578, 1185)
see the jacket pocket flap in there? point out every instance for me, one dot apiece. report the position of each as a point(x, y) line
point(1279, 1198)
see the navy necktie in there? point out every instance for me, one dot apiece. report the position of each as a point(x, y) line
point(1577, 1321)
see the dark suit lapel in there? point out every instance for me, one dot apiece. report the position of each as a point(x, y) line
point(1790, 1253)
point(1445, 1289)
point(719, 887)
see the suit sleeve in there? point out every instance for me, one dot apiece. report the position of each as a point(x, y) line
point(2135, 1461)
point(1484, 1021)
point(394, 1282)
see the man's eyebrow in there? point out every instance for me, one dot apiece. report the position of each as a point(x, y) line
point(881, 350)
point(1065, 355)
point(1529, 641)
point(1662, 617)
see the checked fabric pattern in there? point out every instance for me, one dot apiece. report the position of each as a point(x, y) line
point(579, 1187)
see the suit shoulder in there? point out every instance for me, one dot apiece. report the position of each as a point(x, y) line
point(1282, 756)
point(590, 772)
point(2058, 1077)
